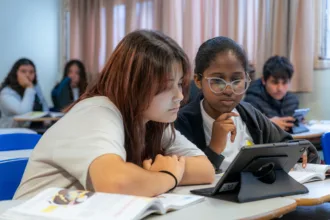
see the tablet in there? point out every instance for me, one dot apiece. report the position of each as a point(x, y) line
point(299, 127)
point(299, 114)
point(283, 156)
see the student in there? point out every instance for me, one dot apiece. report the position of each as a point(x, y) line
point(20, 93)
point(73, 84)
point(270, 93)
point(119, 136)
point(217, 121)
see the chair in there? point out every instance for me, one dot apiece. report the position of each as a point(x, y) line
point(11, 172)
point(325, 142)
point(18, 141)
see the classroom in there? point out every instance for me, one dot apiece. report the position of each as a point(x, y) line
point(164, 109)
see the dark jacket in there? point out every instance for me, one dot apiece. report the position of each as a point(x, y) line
point(257, 96)
point(262, 130)
point(62, 95)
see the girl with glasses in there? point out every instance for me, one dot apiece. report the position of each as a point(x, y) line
point(216, 120)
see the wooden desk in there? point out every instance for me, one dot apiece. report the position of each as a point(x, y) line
point(310, 135)
point(319, 192)
point(314, 136)
point(43, 119)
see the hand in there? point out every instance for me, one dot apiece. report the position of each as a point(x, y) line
point(284, 123)
point(24, 81)
point(171, 164)
point(221, 127)
point(304, 159)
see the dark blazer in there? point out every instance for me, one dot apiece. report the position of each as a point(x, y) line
point(62, 95)
point(262, 130)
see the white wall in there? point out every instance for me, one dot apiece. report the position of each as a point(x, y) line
point(31, 28)
point(318, 100)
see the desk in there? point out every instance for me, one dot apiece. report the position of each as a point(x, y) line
point(220, 209)
point(13, 154)
point(43, 119)
point(309, 135)
point(313, 135)
point(214, 208)
point(16, 130)
point(319, 192)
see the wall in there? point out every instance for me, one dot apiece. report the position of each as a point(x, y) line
point(318, 100)
point(31, 28)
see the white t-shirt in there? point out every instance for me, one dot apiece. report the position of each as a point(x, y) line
point(232, 149)
point(92, 128)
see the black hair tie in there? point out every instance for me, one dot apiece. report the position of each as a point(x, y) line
point(171, 174)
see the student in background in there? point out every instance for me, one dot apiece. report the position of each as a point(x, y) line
point(20, 93)
point(270, 93)
point(73, 84)
point(119, 136)
point(217, 121)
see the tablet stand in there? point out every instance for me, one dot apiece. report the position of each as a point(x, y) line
point(299, 126)
point(267, 182)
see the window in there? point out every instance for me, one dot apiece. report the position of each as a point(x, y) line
point(143, 16)
point(325, 30)
point(119, 21)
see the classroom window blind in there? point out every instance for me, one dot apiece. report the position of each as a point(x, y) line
point(325, 30)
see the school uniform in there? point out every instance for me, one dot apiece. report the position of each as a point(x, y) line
point(92, 128)
point(252, 127)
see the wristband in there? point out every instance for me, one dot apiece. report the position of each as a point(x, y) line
point(171, 174)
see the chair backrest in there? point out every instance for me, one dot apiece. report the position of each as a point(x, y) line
point(18, 141)
point(325, 142)
point(11, 172)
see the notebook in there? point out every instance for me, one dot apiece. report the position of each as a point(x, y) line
point(64, 204)
point(36, 114)
point(31, 115)
point(312, 172)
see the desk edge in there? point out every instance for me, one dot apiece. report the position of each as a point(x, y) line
point(274, 213)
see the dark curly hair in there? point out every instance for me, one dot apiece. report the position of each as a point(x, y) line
point(11, 79)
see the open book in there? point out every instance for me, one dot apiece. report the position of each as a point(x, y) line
point(35, 115)
point(312, 172)
point(64, 204)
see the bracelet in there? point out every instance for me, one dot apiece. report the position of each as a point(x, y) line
point(171, 174)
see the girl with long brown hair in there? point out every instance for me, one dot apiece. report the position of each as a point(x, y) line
point(118, 137)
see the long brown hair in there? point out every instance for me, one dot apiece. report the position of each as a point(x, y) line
point(137, 70)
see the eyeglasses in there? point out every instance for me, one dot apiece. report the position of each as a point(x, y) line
point(218, 85)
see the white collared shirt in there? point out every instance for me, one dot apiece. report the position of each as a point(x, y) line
point(75, 92)
point(242, 137)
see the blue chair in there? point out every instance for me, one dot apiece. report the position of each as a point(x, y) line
point(325, 142)
point(18, 141)
point(11, 172)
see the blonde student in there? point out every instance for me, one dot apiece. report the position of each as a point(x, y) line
point(119, 136)
point(216, 120)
